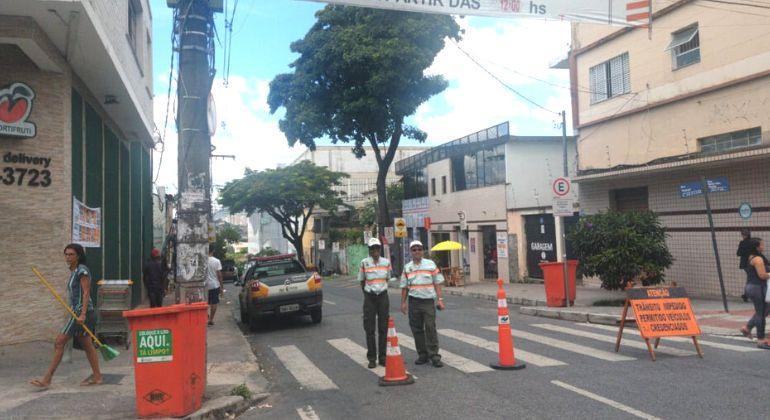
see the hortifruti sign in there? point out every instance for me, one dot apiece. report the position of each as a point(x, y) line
point(611, 12)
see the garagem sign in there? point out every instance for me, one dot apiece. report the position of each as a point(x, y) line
point(15, 107)
point(611, 12)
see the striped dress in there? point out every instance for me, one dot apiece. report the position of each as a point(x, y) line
point(75, 293)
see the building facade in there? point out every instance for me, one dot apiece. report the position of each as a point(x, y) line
point(76, 142)
point(660, 111)
point(266, 232)
point(480, 191)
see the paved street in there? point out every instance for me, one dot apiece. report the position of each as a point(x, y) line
point(318, 371)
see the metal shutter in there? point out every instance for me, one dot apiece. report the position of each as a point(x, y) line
point(598, 82)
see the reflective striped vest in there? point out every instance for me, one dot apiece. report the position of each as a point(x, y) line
point(420, 278)
point(375, 275)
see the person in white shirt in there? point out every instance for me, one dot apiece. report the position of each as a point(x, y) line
point(213, 283)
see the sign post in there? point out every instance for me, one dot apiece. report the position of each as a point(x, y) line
point(660, 312)
point(705, 189)
point(562, 207)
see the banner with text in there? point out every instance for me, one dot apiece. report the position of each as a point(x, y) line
point(610, 12)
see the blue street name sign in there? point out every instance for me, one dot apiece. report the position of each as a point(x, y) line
point(692, 189)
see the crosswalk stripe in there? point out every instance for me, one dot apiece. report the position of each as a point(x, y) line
point(714, 344)
point(356, 352)
point(568, 346)
point(303, 370)
point(525, 356)
point(603, 400)
point(608, 339)
point(458, 362)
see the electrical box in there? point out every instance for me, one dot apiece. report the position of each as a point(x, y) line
point(215, 5)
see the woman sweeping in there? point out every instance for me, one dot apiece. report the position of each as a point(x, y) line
point(79, 291)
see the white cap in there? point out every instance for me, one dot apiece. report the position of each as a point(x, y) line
point(374, 242)
point(415, 243)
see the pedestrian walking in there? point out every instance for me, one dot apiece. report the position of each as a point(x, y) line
point(756, 290)
point(374, 274)
point(153, 276)
point(79, 294)
point(214, 283)
point(421, 284)
point(743, 254)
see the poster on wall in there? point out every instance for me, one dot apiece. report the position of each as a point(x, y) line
point(502, 245)
point(86, 225)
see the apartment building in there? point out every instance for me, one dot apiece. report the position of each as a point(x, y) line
point(76, 139)
point(661, 111)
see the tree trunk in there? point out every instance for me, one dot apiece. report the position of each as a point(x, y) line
point(300, 251)
point(383, 213)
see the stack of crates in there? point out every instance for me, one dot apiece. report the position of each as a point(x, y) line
point(113, 297)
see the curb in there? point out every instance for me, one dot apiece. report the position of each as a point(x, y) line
point(482, 296)
point(576, 316)
point(226, 407)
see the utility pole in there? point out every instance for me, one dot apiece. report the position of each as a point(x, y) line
point(563, 236)
point(194, 26)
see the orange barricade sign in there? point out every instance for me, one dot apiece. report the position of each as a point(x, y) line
point(661, 312)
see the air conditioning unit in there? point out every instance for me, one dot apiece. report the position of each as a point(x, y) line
point(215, 5)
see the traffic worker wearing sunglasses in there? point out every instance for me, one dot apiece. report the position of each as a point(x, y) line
point(421, 284)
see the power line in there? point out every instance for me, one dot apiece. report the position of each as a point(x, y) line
point(502, 82)
point(758, 5)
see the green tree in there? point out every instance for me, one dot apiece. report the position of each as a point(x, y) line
point(359, 75)
point(622, 247)
point(230, 234)
point(268, 252)
point(289, 194)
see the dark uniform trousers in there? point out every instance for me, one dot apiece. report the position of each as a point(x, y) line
point(156, 297)
point(422, 321)
point(376, 312)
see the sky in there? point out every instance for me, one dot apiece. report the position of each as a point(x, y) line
point(517, 51)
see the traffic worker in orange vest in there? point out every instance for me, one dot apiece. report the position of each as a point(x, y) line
point(421, 284)
point(374, 274)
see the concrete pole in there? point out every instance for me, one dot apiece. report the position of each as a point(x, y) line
point(193, 23)
point(562, 226)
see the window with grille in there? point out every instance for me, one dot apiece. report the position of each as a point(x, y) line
point(685, 47)
point(610, 78)
point(731, 141)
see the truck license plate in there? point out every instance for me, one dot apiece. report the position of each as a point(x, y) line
point(289, 308)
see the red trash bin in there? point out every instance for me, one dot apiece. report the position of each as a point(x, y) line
point(169, 358)
point(553, 274)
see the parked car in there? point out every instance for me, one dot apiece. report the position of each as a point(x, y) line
point(229, 271)
point(279, 286)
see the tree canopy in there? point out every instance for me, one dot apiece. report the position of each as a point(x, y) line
point(359, 74)
point(289, 195)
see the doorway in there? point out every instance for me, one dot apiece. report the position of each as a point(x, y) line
point(489, 243)
point(441, 258)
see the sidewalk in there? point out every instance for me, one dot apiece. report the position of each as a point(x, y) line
point(230, 363)
point(710, 313)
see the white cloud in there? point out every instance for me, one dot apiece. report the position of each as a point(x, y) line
point(245, 129)
point(475, 100)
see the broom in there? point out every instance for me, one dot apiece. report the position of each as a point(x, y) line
point(108, 352)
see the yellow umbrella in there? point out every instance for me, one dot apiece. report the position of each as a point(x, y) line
point(448, 246)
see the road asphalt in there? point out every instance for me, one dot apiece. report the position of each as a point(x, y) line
point(316, 372)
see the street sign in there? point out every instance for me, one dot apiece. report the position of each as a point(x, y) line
point(367, 236)
point(561, 187)
point(463, 220)
point(563, 207)
point(745, 211)
point(502, 245)
point(321, 244)
point(660, 312)
point(335, 247)
point(399, 224)
point(692, 189)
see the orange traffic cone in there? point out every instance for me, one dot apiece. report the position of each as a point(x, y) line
point(395, 372)
point(504, 338)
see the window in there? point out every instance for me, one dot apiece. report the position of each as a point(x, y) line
point(133, 22)
point(482, 168)
point(630, 199)
point(731, 141)
point(685, 47)
point(433, 186)
point(443, 184)
point(415, 184)
point(610, 79)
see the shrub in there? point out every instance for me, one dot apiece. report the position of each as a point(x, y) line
point(621, 247)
